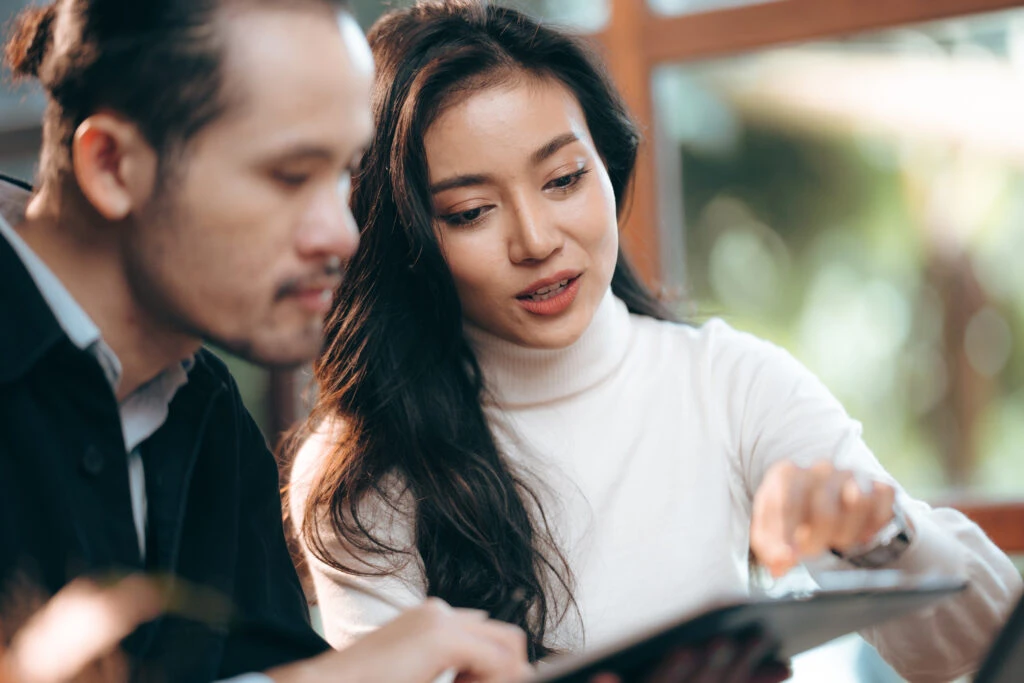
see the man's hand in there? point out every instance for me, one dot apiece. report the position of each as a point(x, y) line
point(75, 636)
point(802, 512)
point(419, 646)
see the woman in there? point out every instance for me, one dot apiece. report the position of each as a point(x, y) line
point(504, 412)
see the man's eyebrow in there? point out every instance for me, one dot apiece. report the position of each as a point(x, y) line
point(305, 152)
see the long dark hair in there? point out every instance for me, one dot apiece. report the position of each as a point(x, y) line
point(397, 368)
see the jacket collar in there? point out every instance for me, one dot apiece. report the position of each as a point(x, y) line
point(30, 328)
point(29, 325)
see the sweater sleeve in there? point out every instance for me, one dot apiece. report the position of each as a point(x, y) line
point(780, 410)
point(351, 604)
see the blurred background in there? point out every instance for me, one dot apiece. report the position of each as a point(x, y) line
point(843, 177)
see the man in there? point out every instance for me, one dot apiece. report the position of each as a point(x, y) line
point(193, 187)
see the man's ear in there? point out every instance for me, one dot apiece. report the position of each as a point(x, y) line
point(114, 165)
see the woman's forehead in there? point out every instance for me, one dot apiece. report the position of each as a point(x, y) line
point(513, 119)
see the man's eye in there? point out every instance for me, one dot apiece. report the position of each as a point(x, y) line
point(294, 180)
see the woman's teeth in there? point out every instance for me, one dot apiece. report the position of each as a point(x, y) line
point(545, 293)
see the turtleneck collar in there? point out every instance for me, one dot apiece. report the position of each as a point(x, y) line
point(517, 376)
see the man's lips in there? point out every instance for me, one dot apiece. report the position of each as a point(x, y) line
point(317, 301)
point(317, 280)
point(313, 295)
point(304, 285)
point(329, 284)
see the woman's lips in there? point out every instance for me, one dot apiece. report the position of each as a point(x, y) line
point(551, 299)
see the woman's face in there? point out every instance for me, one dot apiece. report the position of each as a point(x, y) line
point(524, 211)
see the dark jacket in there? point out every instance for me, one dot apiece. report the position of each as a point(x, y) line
point(212, 487)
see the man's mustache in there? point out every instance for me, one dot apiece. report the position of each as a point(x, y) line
point(328, 278)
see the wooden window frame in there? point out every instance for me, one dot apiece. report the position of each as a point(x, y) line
point(1003, 521)
point(637, 41)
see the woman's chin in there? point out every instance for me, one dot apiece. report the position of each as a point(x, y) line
point(533, 331)
point(549, 342)
point(552, 335)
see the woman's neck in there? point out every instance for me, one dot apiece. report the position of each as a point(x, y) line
point(517, 376)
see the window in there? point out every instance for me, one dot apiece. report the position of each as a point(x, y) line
point(861, 202)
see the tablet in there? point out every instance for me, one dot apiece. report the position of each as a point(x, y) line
point(798, 622)
point(1005, 661)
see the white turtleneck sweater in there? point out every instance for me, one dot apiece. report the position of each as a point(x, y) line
point(651, 439)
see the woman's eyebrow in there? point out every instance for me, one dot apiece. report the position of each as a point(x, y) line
point(473, 179)
point(460, 181)
point(549, 148)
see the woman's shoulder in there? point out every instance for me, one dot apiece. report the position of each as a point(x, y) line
point(304, 472)
point(713, 341)
point(386, 511)
point(318, 445)
point(721, 363)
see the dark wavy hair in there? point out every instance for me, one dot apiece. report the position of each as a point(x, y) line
point(396, 367)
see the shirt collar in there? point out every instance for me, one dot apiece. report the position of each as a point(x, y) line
point(75, 322)
point(71, 317)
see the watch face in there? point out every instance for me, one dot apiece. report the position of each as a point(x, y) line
point(885, 554)
point(887, 547)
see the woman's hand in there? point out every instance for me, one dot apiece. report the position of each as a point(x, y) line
point(801, 512)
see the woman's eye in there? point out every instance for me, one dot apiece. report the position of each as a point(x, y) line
point(567, 181)
point(465, 217)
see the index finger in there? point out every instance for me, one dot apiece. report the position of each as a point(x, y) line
point(768, 529)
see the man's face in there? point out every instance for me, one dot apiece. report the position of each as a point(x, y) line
point(243, 245)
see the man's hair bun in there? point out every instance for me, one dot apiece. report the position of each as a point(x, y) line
point(30, 40)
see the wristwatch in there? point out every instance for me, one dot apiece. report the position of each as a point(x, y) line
point(886, 547)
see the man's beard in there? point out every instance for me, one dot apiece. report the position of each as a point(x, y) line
point(153, 285)
point(270, 358)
